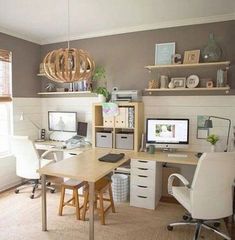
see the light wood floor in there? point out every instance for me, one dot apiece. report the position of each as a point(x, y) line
point(21, 220)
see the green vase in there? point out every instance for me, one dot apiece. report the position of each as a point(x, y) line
point(212, 51)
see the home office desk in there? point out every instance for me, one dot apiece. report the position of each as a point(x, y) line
point(87, 167)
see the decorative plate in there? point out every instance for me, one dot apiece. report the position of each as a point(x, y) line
point(192, 81)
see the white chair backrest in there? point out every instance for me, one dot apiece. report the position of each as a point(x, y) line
point(27, 158)
point(212, 186)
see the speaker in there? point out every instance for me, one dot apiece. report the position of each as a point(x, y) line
point(43, 134)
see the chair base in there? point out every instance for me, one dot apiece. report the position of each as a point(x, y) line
point(199, 224)
point(35, 184)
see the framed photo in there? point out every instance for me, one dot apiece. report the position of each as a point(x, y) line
point(202, 132)
point(179, 82)
point(191, 56)
point(164, 53)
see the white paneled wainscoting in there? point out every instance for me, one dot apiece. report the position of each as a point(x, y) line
point(36, 110)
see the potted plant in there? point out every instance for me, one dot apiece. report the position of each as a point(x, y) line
point(103, 94)
point(212, 139)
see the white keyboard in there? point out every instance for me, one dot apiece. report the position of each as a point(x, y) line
point(177, 155)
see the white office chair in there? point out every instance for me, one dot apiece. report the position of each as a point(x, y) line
point(210, 196)
point(28, 162)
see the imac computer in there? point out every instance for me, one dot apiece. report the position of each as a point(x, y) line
point(167, 133)
point(62, 121)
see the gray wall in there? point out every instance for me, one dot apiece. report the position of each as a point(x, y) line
point(124, 56)
point(25, 65)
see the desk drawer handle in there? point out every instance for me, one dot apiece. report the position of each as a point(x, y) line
point(143, 168)
point(142, 186)
point(103, 136)
point(142, 161)
point(143, 176)
point(141, 196)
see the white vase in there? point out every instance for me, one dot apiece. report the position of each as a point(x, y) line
point(212, 148)
point(101, 98)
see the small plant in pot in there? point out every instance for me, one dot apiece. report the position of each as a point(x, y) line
point(212, 139)
point(103, 94)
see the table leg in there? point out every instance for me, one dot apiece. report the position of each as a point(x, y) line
point(91, 209)
point(44, 203)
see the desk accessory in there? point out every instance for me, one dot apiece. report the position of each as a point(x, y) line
point(151, 149)
point(112, 157)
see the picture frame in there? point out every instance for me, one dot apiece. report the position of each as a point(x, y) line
point(191, 57)
point(202, 132)
point(164, 53)
point(179, 82)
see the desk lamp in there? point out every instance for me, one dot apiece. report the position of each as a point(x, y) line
point(209, 124)
point(22, 118)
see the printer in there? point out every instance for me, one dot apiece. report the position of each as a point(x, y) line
point(126, 95)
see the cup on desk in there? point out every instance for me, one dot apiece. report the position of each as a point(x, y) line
point(151, 149)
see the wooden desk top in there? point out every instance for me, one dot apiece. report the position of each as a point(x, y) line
point(87, 167)
point(84, 167)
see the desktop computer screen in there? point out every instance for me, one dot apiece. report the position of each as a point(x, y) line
point(164, 133)
point(62, 121)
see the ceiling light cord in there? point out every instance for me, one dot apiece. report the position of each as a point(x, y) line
point(68, 33)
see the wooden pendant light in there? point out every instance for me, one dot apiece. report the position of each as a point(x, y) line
point(66, 65)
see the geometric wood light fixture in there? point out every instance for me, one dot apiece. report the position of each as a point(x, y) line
point(67, 65)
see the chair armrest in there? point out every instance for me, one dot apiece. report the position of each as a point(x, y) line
point(54, 151)
point(171, 180)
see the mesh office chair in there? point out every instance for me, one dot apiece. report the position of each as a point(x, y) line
point(210, 196)
point(28, 162)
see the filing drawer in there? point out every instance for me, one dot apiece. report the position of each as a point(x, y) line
point(143, 180)
point(142, 200)
point(141, 189)
point(104, 139)
point(138, 163)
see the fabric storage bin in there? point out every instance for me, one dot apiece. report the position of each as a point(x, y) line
point(104, 139)
point(120, 187)
point(125, 141)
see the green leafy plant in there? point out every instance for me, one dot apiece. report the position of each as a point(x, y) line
point(103, 91)
point(99, 73)
point(213, 139)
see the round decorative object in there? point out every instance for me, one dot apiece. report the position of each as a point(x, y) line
point(153, 84)
point(67, 65)
point(171, 85)
point(192, 81)
point(212, 51)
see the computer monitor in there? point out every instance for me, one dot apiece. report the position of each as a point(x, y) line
point(167, 133)
point(62, 121)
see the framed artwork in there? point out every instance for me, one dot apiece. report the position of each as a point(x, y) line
point(191, 56)
point(164, 53)
point(202, 132)
point(179, 82)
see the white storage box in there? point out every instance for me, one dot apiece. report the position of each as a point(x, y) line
point(104, 139)
point(125, 141)
point(120, 186)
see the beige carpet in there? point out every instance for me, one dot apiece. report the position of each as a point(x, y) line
point(21, 220)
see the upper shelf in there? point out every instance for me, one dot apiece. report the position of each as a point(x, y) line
point(152, 67)
point(75, 93)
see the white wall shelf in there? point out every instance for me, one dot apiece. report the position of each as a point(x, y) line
point(172, 66)
point(77, 94)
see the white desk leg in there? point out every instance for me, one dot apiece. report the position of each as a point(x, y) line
point(44, 203)
point(91, 209)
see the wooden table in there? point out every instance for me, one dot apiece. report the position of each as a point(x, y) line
point(84, 167)
point(87, 167)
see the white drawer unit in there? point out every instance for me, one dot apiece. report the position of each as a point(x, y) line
point(146, 183)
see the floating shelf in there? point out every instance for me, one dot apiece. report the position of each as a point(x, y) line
point(188, 89)
point(78, 94)
point(152, 67)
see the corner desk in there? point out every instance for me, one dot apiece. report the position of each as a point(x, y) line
point(87, 167)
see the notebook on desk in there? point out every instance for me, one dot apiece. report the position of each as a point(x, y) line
point(112, 157)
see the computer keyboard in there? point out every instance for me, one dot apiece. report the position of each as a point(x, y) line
point(177, 155)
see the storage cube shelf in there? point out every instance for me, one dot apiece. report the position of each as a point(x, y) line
point(126, 128)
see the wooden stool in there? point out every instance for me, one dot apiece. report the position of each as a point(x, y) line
point(74, 185)
point(101, 187)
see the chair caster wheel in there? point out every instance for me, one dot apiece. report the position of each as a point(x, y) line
point(216, 224)
point(32, 196)
point(48, 184)
point(52, 191)
point(169, 228)
point(185, 217)
point(17, 191)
